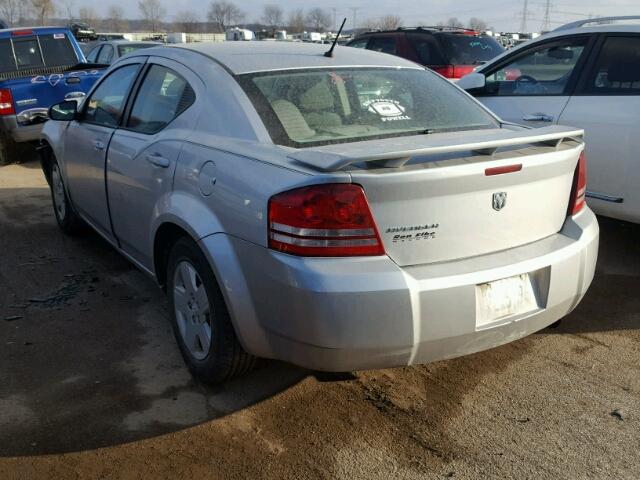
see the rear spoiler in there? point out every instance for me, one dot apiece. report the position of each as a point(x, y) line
point(385, 153)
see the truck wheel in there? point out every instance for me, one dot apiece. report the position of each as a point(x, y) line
point(9, 152)
point(66, 216)
point(200, 318)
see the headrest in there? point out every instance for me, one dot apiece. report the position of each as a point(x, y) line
point(318, 97)
point(624, 72)
point(292, 120)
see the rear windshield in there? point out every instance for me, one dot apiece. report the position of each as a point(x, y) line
point(23, 53)
point(125, 49)
point(319, 107)
point(460, 49)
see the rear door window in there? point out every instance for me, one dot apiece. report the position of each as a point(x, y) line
point(163, 95)
point(383, 44)
point(92, 57)
point(106, 55)
point(617, 69)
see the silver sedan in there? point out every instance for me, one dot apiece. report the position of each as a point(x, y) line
point(338, 212)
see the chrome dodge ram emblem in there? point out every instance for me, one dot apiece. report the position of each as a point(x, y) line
point(499, 200)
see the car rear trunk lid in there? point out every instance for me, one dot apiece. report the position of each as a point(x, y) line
point(445, 197)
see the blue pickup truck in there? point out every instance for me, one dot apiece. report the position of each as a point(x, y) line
point(38, 68)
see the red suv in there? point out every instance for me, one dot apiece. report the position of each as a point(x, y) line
point(452, 52)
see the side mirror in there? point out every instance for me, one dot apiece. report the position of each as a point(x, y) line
point(64, 111)
point(473, 81)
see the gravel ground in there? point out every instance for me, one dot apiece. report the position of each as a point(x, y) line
point(93, 386)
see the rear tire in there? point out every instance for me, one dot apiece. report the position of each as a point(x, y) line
point(68, 220)
point(200, 319)
point(9, 149)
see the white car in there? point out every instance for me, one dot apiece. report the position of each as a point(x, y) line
point(587, 77)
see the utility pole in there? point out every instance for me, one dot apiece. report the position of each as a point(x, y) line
point(525, 13)
point(546, 22)
point(355, 16)
point(334, 18)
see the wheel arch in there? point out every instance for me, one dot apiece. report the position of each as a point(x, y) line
point(167, 234)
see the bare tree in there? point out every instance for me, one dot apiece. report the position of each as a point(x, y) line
point(296, 21)
point(88, 15)
point(67, 9)
point(153, 12)
point(318, 19)
point(272, 16)
point(115, 18)
point(224, 13)
point(478, 25)
point(10, 11)
point(186, 21)
point(454, 22)
point(43, 9)
point(370, 24)
point(390, 22)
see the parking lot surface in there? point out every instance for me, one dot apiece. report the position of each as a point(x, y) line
point(92, 384)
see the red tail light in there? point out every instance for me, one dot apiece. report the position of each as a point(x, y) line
point(18, 33)
point(6, 102)
point(579, 190)
point(331, 220)
point(454, 71)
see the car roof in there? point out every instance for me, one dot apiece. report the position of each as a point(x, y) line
point(4, 33)
point(430, 30)
point(256, 56)
point(122, 41)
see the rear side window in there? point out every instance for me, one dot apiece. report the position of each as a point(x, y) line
point(383, 44)
point(544, 70)
point(106, 104)
point(163, 95)
point(617, 69)
point(7, 62)
point(27, 53)
point(427, 49)
point(468, 49)
point(57, 50)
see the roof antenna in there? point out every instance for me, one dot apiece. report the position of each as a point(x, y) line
point(329, 53)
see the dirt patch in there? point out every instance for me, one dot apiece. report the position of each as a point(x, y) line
point(92, 385)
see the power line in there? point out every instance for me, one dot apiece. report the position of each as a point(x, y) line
point(525, 13)
point(547, 16)
point(355, 16)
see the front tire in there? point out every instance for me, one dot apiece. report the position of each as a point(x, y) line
point(200, 319)
point(66, 216)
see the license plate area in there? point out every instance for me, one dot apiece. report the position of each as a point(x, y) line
point(509, 299)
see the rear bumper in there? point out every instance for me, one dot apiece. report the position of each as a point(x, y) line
point(364, 313)
point(20, 133)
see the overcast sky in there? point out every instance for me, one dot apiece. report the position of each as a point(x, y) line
point(504, 15)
